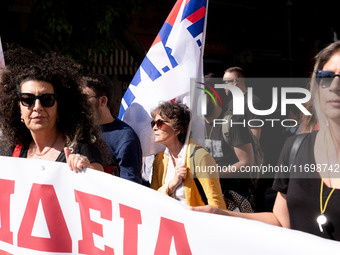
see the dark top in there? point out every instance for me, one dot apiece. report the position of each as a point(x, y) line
point(125, 146)
point(303, 194)
point(86, 149)
point(224, 154)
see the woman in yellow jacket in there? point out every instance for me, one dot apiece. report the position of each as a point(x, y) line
point(174, 168)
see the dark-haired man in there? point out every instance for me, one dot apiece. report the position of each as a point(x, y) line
point(235, 76)
point(122, 140)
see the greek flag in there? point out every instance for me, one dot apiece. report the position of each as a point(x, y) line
point(174, 58)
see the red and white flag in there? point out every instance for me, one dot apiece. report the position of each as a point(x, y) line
point(174, 58)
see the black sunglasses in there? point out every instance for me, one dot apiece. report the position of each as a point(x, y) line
point(159, 123)
point(28, 99)
point(324, 78)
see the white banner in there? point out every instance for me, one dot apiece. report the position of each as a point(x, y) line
point(47, 209)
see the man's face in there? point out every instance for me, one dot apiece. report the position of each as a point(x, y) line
point(92, 98)
point(230, 79)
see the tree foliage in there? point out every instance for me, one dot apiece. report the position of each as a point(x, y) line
point(75, 26)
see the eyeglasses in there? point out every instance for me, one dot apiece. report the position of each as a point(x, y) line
point(228, 81)
point(324, 78)
point(159, 123)
point(28, 99)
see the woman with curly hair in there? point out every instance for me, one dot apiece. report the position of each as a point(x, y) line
point(43, 113)
point(175, 168)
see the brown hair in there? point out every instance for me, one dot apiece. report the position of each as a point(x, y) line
point(178, 114)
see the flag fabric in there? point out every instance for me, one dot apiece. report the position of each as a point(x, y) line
point(2, 59)
point(175, 57)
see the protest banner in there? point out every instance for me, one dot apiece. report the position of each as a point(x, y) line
point(47, 209)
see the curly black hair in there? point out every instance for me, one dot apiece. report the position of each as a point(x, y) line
point(75, 120)
point(178, 114)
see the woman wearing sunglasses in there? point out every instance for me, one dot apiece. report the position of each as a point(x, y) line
point(171, 169)
point(309, 199)
point(43, 114)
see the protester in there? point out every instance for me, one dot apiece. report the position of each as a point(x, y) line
point(236, 76)
point(122, 140)
point(43, 114)
point(174, 168)
point(233, 152)
point(302, 203)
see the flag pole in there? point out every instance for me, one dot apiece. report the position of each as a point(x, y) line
point(192, 92)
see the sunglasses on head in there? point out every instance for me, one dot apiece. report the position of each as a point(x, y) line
point(159, 123)
point(324, 78)
point(28, 99)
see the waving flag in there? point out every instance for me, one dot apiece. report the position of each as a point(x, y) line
point(175, 56)
point(2, 59)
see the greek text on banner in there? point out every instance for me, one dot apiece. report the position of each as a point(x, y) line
point(47, 209)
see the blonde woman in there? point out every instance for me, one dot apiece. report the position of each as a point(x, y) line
point(309, 199)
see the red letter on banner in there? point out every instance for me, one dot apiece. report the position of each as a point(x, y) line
point(60, 240)
point(6, 189)
point(169, 229)
point(87, 201)
point(131, 218)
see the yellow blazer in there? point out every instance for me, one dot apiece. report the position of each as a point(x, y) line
point(210, 182)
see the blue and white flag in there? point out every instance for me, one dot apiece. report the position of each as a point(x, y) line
point(2, 59)
point(174, 58)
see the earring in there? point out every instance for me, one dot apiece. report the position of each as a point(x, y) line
point(22, 120)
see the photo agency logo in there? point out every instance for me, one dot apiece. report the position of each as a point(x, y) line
point(213, 95)
point(276, 95)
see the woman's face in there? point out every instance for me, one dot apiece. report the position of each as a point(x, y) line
point(41, 115)
point(330, 96)
point(164, 132)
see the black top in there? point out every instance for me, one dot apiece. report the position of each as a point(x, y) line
point(85, 149)
point(303, 194)
point(224, 154)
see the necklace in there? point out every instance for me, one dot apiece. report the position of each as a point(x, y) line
point(44, 153)
point(205, 131)
point(322, 219)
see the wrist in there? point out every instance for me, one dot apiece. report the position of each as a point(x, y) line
point(171, 188)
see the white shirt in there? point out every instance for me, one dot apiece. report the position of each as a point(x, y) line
point(170, 173)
